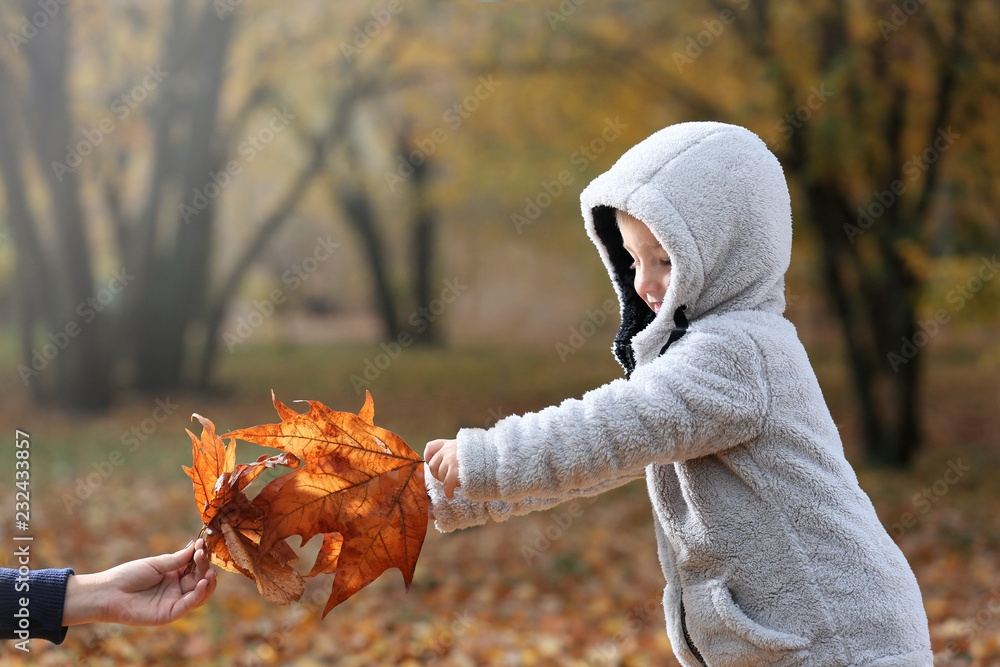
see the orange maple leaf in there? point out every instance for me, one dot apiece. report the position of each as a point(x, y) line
point(232, 524)
point(360, 486)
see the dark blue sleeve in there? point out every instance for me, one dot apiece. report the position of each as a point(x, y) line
point(44, 591)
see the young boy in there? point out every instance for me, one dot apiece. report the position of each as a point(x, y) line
point(772, 553)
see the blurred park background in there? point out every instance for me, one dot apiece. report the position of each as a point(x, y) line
point(202, 201)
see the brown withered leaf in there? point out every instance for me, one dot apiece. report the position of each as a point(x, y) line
point(233, 525)
point(360, 486)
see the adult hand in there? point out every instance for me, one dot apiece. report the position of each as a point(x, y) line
point(149, 591)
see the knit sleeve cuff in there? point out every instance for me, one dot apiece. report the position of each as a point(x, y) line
point(459, 512)
point(47, 597)
point(477, 465)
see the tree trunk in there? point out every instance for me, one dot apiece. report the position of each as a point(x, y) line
point(176, 294)
point(423, 271)
point(424, 233)
point(36, 304)
point(875, 308)
point(82, 374)
point(360, 214)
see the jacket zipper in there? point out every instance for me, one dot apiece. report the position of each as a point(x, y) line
point(687, 637)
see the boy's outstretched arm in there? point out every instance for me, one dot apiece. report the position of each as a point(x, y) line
point(707, 394)
point(459, 512)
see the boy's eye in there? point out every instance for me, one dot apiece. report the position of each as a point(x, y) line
point(632, 265)
point(665, 262)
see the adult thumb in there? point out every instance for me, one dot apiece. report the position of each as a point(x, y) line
point(169, 562)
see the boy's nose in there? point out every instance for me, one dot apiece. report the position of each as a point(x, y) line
point(644, 282)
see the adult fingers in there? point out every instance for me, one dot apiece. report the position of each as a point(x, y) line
point(201, 562)
point(169, 562)
point(190, 600)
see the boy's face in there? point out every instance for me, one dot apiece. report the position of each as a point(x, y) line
point(650, 261)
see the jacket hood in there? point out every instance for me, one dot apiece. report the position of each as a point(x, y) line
point(715, 198)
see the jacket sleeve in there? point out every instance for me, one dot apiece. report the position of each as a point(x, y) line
point(45, 594)
point(460, 512)
point(707, 393)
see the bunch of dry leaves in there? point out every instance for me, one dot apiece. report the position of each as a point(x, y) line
point(359, 486)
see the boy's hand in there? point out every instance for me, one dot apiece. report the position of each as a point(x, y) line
point(442, 459)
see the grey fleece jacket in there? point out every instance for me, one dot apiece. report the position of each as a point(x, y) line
point(772, 553)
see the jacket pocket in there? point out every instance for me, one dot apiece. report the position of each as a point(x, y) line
point(748, 629)
point(727, 637)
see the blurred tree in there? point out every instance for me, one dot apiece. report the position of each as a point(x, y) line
point(188, 144)
point(360, 71)
point(54, 280)
point(423, 231)
point(164, 244)
point(351, 193)
point(349, 188)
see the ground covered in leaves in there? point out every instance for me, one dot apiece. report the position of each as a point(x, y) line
point(579, 585)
